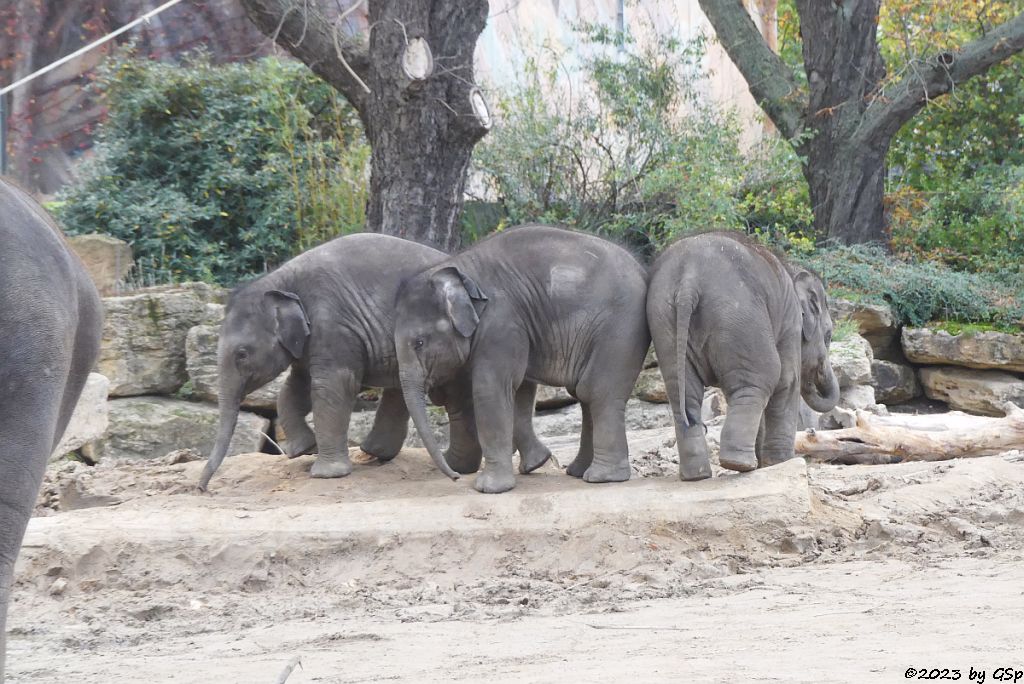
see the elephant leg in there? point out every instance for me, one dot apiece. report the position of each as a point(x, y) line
point(585, 455)
point(611, 451)
point(780, 419)
point(494, 409)
point(293, 405)
point(532, 452)
point(742, 423)
point(334, 395)
point(390, 426)
point(28, 433)
point(464, 454)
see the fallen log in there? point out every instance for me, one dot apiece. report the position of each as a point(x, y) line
point(872, 444)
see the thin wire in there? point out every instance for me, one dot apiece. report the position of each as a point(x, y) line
point(113, 34)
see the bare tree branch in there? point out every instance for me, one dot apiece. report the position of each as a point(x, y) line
point(771, 82)
point(937, 76)
point(301, 29)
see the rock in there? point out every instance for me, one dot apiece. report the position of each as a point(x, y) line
point(58, 586)
point(107, 259)
point(650, 386)
point(875, 322)
point(150, 427)
point(89, 420)
point(844, 415)
point(714, 404)
point(651, 360)
point(894, 383)
point(182, 456)
point(851, 361)
point(974, 391)
point(553, 397)
point(1003, 351)
point(201, 364)
point(143, 346)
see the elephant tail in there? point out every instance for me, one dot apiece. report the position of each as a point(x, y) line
point(686, 303)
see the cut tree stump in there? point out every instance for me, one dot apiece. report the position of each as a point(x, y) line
point(868, 444)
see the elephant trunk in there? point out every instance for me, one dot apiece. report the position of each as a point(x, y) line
point(230, 401)
point(822, 394)
point(416, 402)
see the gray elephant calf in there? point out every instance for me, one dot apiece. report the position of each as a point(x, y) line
point(530, 305)
point(51, 319)
point(725, 311)
point(328, 313)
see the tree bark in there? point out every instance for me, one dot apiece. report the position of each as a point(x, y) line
point(869, 444)
point(844, 121)
point(421, 131)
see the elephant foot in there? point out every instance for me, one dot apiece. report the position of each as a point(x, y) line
point(771, 458)
point(494, 481)
point(337, 466)
point(601, 472)
point(740, 461)
point(692, 469)
point(694, 462)
point(463, 464)
point(578, 466)
point(300, 446)
point(533, 458)
point(382, 450)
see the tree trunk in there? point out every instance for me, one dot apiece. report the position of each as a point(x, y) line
point(846, 191)
point(419, 116)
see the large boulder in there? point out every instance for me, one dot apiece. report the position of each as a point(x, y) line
point(974, 391)
point(894, 383)
point(851, 361)
point(650, 386)
point(143, 346)
point(107, 260)
point(553, 397)
point(89, 419)
point(875, 322)
point(203, 375)
point(150, 427)
point(990, 349)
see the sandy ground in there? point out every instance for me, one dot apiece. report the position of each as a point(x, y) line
point(792, 573)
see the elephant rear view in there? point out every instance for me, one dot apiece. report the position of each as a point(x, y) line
point(328, 314)
point(534, 304)
point(725, 311)
point(51, 319)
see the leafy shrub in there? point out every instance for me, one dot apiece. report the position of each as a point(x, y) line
point(218, 172)
point(920, 292)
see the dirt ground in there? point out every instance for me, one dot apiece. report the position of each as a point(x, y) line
point(793, 573)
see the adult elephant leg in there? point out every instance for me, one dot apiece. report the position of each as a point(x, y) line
point(293, 405)
point(334, 395)
point(780, 419)
point(464, 454)
point(532, 452)
point(585, 455)
point(390, 426)
point(494, 408)
point(28, 425)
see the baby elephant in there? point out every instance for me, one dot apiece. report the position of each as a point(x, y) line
point(726, 312)
point(328, 313)
point(534, 304)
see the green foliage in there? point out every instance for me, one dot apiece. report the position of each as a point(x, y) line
point(218, 172)
point(634, 152)
point(920, 291)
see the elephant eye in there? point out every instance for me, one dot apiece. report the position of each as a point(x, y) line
point(242, 355)
point(418, 344)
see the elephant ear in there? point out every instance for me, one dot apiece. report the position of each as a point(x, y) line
point(292, 324)
point(807, 291)
point(463, 299)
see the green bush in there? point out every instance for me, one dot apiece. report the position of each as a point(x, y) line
point(219, 172)
point(920, 292)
